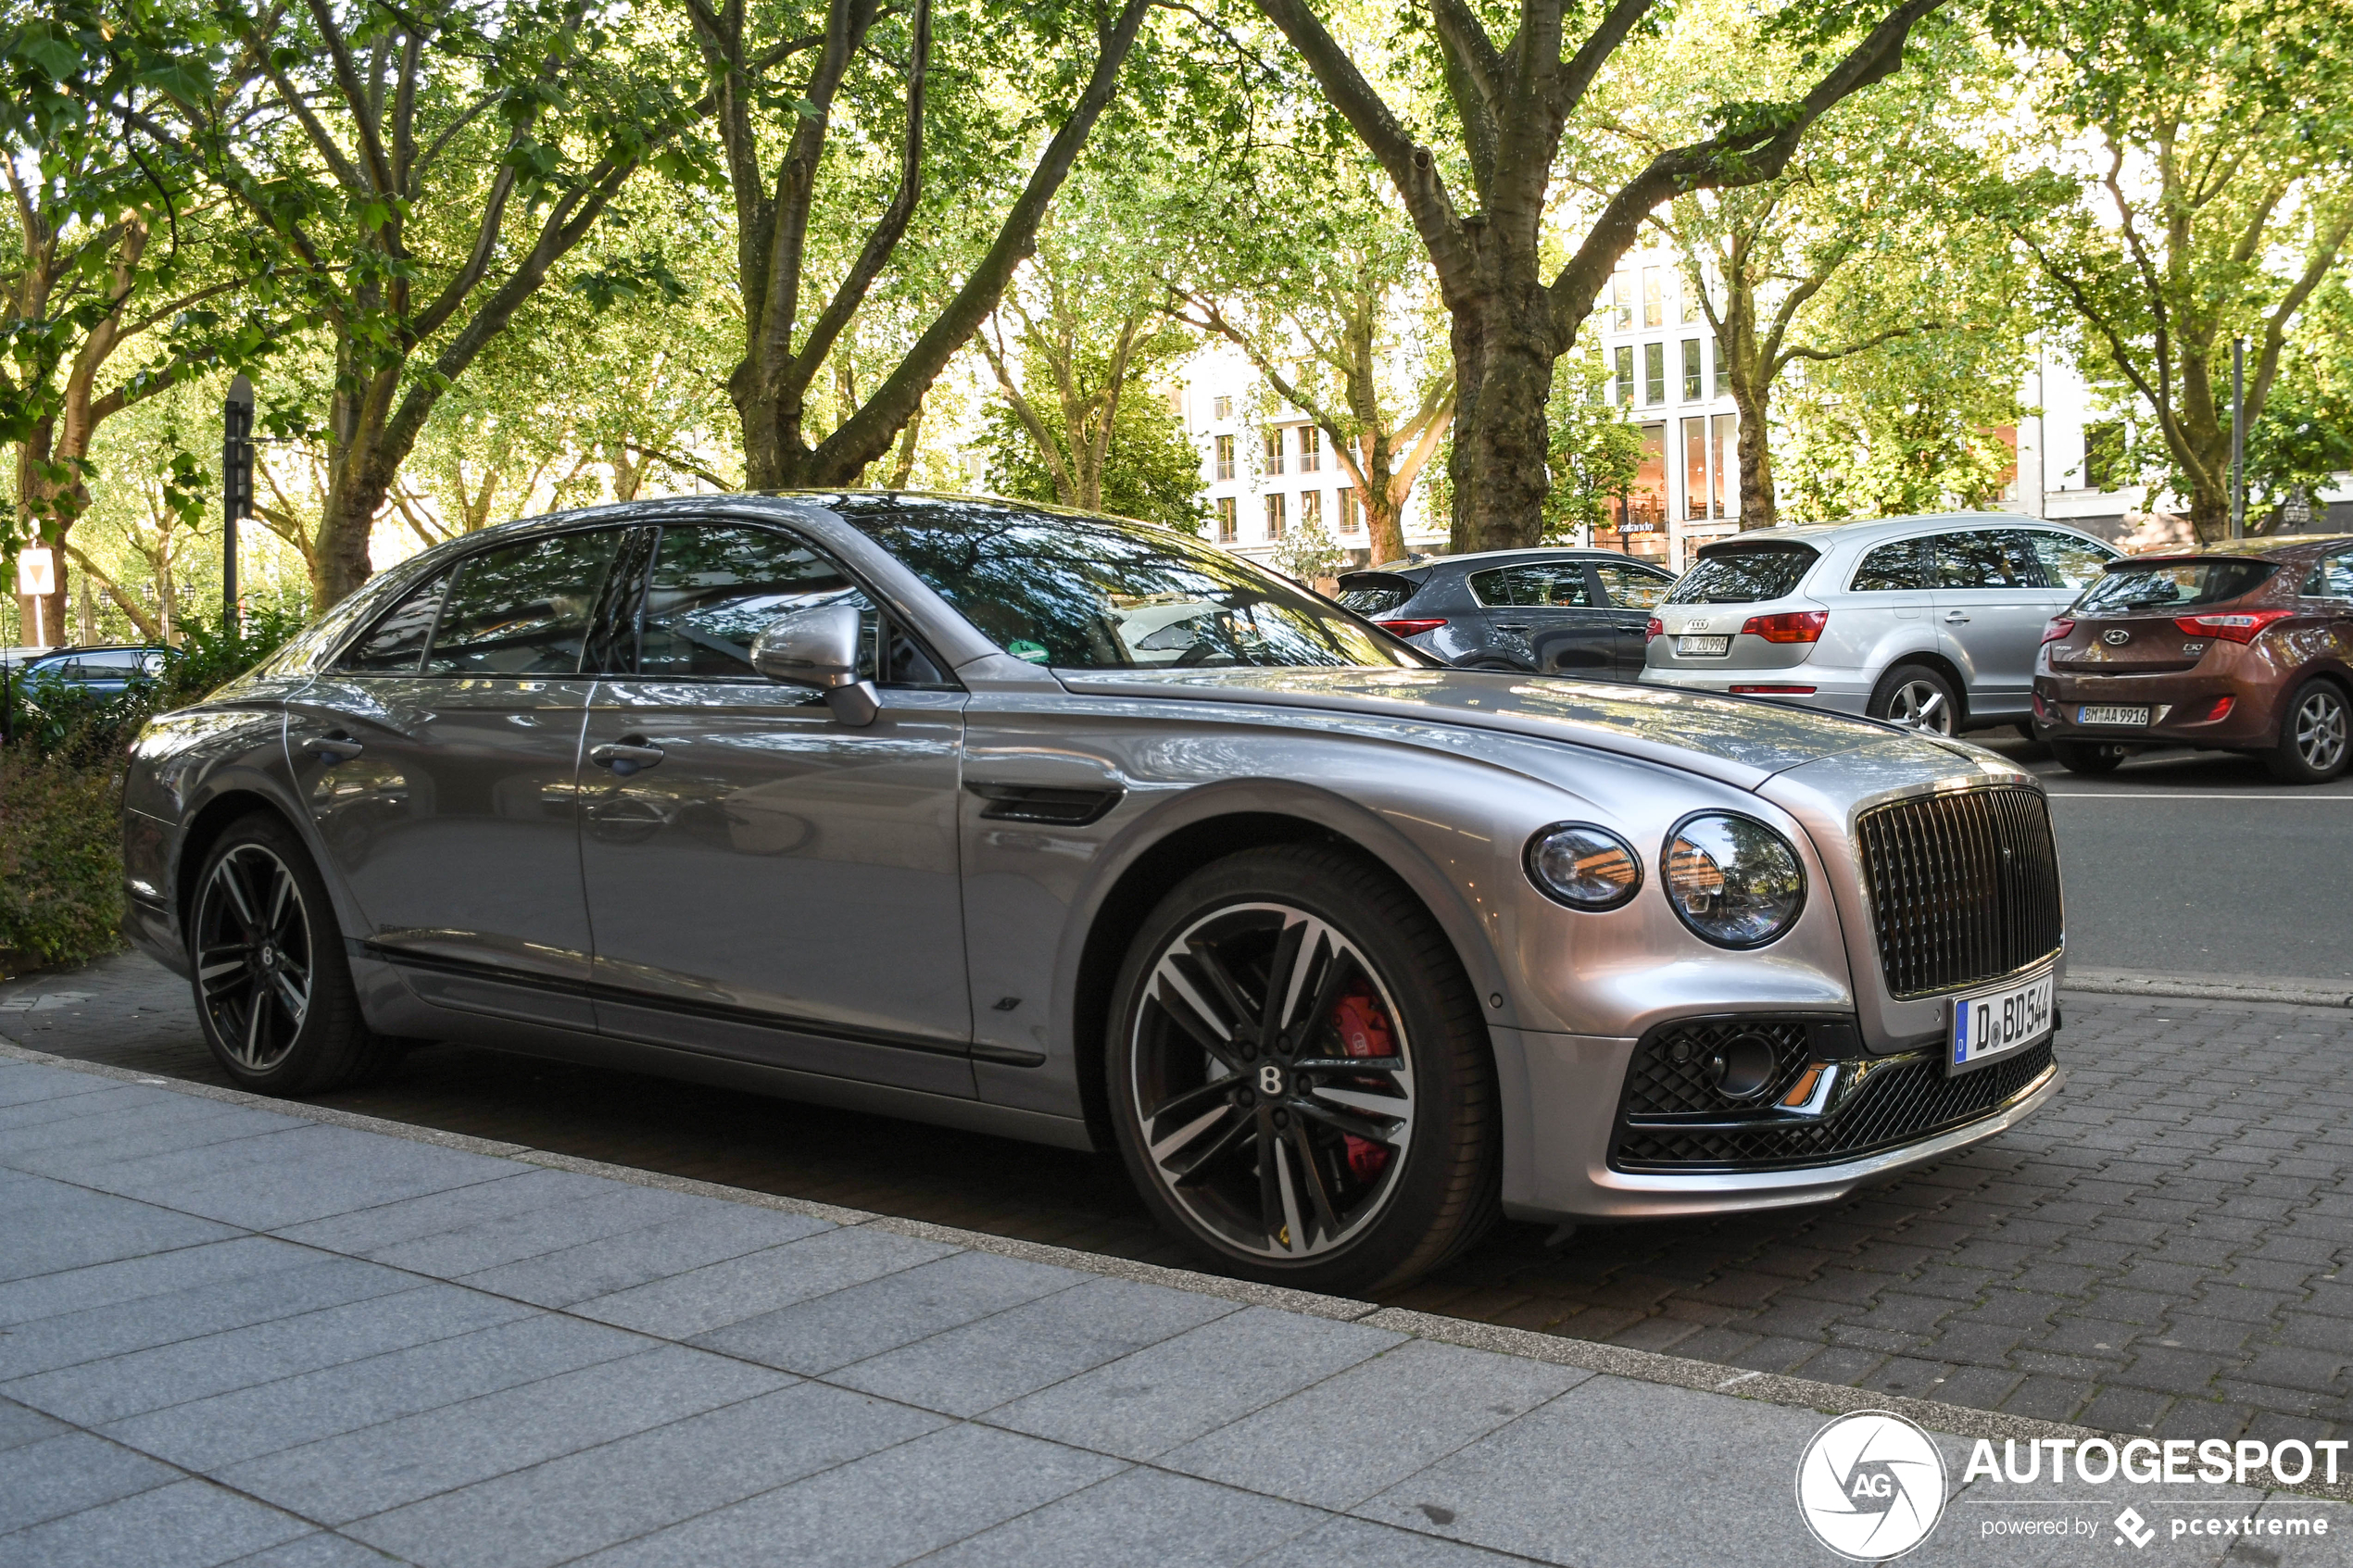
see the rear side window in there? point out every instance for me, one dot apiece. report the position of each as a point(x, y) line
point(2069, 562)
point(1559, 585)
point(2170, 584)
point(1630, 587)
point(396, 644)
point(523, 610)
point(1887, 567)
point(1989, 558)
point(1738, 574)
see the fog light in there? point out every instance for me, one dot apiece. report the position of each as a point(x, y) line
point(1744, 1067)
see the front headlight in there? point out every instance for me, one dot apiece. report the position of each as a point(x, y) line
point(1583, 866)
point(1734, 881)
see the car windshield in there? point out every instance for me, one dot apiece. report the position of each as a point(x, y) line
point(1091, 593)
point(1738, 574)
point(2129, 587)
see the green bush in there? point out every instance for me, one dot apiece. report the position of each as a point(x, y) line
point(61, 793)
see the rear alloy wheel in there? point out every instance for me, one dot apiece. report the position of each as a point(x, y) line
point(2089, 755)
point(1916, 698)
point(2314, 742)
point(273, 991)
point(1302, 1082)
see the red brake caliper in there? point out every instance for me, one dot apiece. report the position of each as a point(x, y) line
point(1363, 1026)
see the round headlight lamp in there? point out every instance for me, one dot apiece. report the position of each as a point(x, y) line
point(1583, 866)
point(1735, 882)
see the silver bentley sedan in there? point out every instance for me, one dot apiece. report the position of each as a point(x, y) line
point(1079, 830)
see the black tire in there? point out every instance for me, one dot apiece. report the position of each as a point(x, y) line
point(2088, 756)
point(273, 987)
point(1333, 1210)
point(2314, 742)
point(1917, 696)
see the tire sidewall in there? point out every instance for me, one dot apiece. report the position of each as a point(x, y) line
point(331, 1009)
point(1884, 695)
point(1440, 1106)
point(2287, 762)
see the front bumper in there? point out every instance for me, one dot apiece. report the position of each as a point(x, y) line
point(1565, 1171)
point(1838, 691)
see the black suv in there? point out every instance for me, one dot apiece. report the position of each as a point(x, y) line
point(1551, 612)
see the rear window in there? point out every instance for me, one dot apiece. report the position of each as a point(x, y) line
point(1375, 596)
point(2172, 584)
point(1738, 574)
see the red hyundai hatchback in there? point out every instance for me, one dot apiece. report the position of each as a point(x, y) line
point(2245, 646)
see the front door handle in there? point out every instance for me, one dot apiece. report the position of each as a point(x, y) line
point(626, 755)
point(1954, 618)
point(1500, 627)
point(334, 746)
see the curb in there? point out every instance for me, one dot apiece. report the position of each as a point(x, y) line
point(1615, 1361)
point(2291, 990)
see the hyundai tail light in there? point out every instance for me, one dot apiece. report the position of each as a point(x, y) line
point(2240, 626)
point(1789, 626)
point(2060, 627)
point(1410, 628)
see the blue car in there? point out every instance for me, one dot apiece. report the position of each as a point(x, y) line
point(100, 671)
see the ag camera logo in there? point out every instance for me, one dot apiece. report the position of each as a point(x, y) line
point(1870, 1485)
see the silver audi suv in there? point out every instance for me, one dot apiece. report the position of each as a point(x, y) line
point(1071, 829)
point(1931, 622)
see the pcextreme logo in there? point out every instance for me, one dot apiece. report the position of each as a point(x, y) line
point(1870, 1485)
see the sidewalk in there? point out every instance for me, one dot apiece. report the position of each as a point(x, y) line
point(286, 1336)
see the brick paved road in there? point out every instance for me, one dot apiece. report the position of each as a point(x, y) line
point(2164, 1250)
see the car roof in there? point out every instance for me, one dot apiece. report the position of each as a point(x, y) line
point(1866, 529)
point(1532, 552)
point(2234, 549)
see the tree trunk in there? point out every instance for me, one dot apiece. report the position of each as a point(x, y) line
point(1758, 509)
point(1504, 356)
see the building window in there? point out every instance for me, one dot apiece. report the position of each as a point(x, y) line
point(1727, 493)
point(1225, 457)
point(1351, 519)
point(1723, 373)
point(1311, 508)
point(2104, 455)
point(1222, 407)
point(1654, 373)
point(1273, 451)
point(1625, 380)
point(1229, 521)
point(1274, 517)
point(1310, 449)
point(1695, 468)
point(1690, 301)
point(1693, 378)
point(1621, 302)
point(1654, 297)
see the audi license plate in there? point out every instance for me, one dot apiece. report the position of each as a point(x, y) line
point(2137, 717)
point(1703, 648)
point(1993, 1023)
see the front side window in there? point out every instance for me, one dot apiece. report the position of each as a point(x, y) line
point(2331, 577)
point(1630, 587)
point(1102, 594)
point(715, 588)
point(1730, 574)
point(2069, 562)
point(396, 644)
point(1554, 587)
point(523, 609)
point(1990, 557)
point(1889, 568)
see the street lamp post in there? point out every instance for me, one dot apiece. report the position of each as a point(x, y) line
point(236, 488)
point(2238, 438)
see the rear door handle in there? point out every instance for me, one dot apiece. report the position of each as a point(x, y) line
point(626, 755)
point(336, 747)
point(1954, 617)
point(1500, 627)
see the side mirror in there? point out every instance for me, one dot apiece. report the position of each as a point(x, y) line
point(819, 647)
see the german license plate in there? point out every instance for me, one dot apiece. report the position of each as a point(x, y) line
point(1703, 648)
point(2137, 717)
point(1986, 1024)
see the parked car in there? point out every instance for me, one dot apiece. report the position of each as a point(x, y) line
point(2245, 646)
point(1550, 611)
point(869, 800)
point(1929, 621)
point(101, 670)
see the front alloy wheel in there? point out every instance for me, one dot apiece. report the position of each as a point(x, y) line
point(253, 956)
point(1300, 1077)
point(1273, 1082)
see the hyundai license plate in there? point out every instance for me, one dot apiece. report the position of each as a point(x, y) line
point(2136, 718)
point(1993, 1023)
point(1703, 648)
